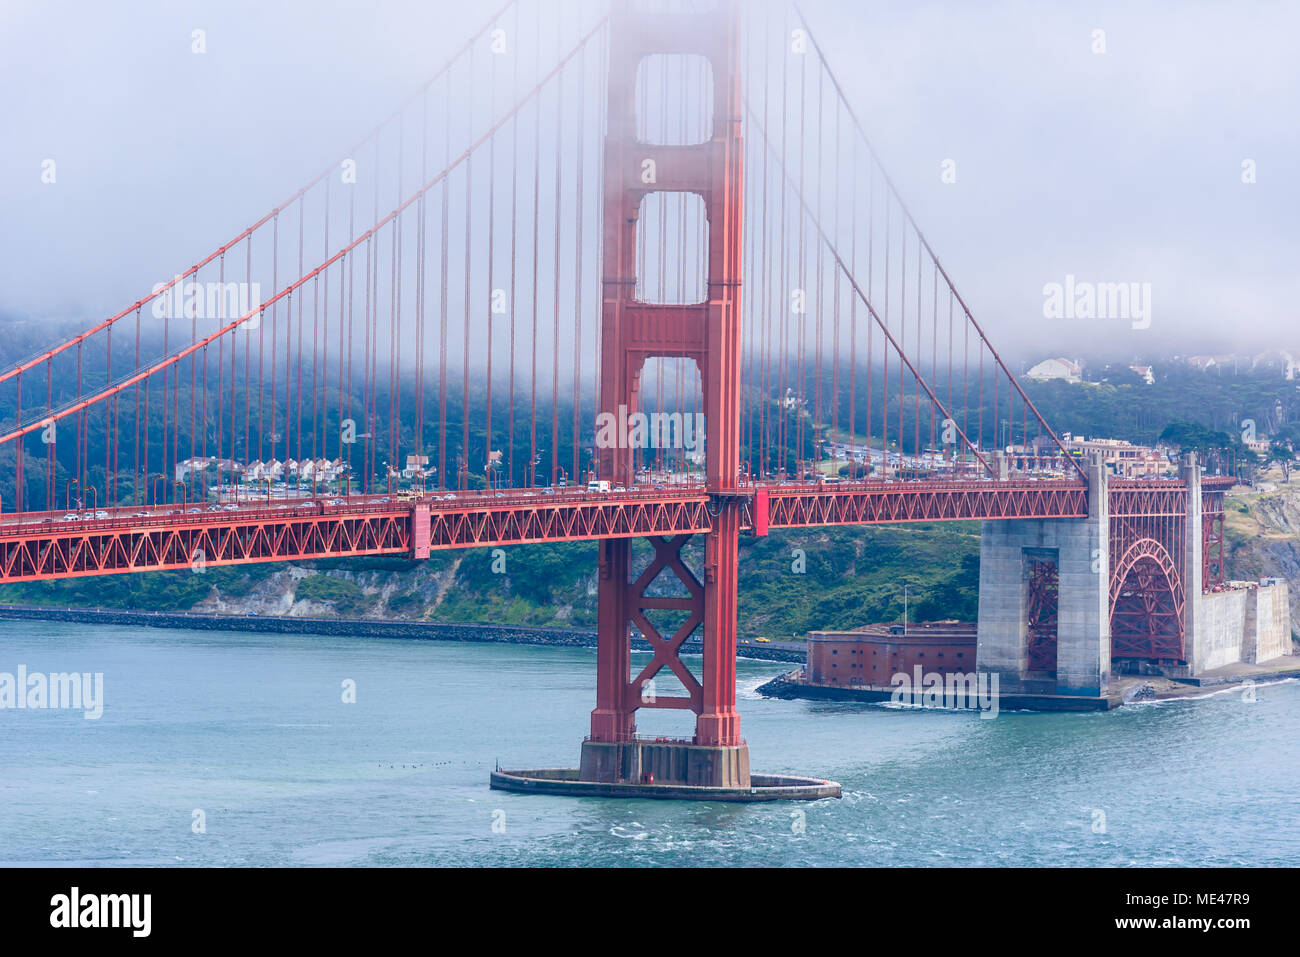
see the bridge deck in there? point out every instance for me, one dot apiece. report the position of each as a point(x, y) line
point(46, 545)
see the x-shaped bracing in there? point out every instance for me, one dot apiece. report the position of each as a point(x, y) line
point(666, 650)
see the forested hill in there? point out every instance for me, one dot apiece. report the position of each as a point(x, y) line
point(1182, 402)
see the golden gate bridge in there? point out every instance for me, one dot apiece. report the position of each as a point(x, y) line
point(595, 210)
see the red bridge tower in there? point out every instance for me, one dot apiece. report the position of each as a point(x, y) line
point(635, 331)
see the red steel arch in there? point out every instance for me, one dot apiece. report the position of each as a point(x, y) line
point(1146, 604)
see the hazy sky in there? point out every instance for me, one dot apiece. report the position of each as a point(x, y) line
point(1122, 166)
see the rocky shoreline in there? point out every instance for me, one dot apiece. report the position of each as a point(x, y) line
point(353, 627)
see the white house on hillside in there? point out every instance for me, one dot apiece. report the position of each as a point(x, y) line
point(1066, 369)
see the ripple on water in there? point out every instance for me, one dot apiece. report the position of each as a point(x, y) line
point(251, 730)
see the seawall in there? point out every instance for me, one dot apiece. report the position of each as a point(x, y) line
point(353, 627)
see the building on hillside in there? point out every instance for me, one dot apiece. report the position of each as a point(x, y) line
point(318, 471)
point(1205, 363)
point(416, 467)
point(1145, 373)
point(1067, 370)
point(271, 471)
point(199, 464)
point(1122, 459)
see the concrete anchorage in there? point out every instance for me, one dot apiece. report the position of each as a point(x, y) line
point(1246, 623)
point(1080, 549)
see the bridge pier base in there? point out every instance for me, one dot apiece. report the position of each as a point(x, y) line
point(1032, 647)
point(665, 762)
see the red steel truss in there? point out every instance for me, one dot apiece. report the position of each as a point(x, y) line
point(1041, 613)
point(130, 546)
point(1146, 617)
point(1212, 535)
point(874, 503)
point(569, 522)
point(46, 548)
point(41, 546)
point(637, 693)
point(1148, 528)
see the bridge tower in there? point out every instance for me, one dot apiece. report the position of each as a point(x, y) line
point(635, 331)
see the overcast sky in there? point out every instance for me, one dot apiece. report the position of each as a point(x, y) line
point(1119, 166)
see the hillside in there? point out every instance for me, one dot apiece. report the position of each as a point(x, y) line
point(1262, 535)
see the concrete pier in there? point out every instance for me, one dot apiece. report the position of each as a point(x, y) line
point(1249, 623)
point(762, 787)
point(1080, 548)
point(1236, 623)
point(664, 769)
point(665, 762)
point(1193, 565)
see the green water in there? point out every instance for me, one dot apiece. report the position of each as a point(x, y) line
point(253, 732)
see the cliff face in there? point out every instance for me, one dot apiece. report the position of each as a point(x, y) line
point(431, 591)
point(1262, 538)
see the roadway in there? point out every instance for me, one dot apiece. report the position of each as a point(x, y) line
point(57, 544)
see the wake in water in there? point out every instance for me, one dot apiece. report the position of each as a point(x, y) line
point(1230, 689)
point(747, 688)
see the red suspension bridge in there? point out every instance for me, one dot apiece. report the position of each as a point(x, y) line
point(613, 272)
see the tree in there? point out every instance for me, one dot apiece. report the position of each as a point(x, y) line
point(1284, 455)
